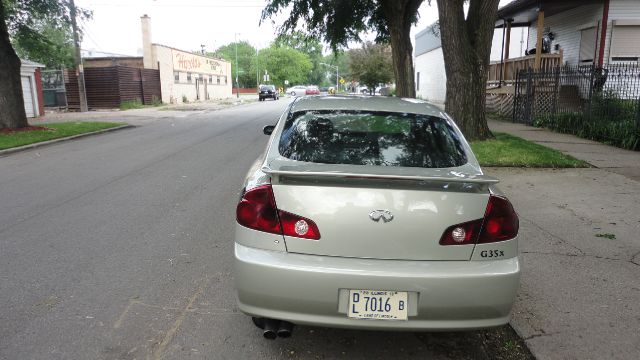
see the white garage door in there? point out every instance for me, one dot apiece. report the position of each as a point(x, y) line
point(27, 94)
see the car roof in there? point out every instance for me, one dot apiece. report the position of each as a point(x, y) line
point(367, 103)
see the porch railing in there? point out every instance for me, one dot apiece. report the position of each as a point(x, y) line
point(511, 67)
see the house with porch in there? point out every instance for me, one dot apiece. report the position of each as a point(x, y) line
point(558, 33)
point(569, 32)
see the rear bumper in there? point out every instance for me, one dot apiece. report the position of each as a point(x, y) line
point(313, 290)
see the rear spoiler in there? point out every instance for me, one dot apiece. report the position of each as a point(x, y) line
point(461, 178)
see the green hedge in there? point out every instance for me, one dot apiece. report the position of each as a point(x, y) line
point(612, 121)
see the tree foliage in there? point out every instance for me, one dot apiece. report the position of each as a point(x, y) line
point(246, 54)
point(53, 47)
point(371, 64)
point(339, 21)
point(40, 30)
point(21, 19)
point(283, 63)
point(307, 45)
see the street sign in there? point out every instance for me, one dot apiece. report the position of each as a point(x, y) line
point(342, 81)
point(286, 82)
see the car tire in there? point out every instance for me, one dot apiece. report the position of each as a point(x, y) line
point(293, 93)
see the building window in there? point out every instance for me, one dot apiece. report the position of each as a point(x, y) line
point(210, 79)
point(624, 43)
point(188, 77)
point(176, 76)
point(588, 45)
point(418, 81)
point(218, 79)
point(225, 80)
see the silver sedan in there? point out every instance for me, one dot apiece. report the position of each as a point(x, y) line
point(373, 213)
point(297, 90)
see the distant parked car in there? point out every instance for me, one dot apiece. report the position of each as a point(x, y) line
point(297, 90)
point(324, 89)
point(267, 92)
point(362, 90)
point(312, 90)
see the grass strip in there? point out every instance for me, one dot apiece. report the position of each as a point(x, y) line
point(511, 151)
point(50, 132)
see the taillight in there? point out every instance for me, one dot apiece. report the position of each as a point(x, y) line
point(500, 223)
point(257, 210)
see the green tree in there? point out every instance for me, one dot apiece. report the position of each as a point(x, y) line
point(246, 55)
point(53, 47)
point(311, 47)
point(371, 65)
point(283, 63)
point(338, 22)
point(466, 46)
point(20, 18)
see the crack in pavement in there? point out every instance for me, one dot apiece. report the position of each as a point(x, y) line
point(633, 259)
point(572, 255)
point(542, 334)
point(551, 234)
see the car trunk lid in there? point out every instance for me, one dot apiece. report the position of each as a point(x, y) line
point(381, 213)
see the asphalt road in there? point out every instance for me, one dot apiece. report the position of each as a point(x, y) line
point(119, 246)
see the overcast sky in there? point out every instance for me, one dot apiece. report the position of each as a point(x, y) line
point(187, 24)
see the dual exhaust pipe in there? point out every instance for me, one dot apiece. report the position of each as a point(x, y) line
point(272, 328)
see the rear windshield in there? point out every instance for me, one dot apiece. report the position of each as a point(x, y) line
point(371, 138)
point(267, 87)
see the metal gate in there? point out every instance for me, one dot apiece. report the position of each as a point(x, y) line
point(55, 94)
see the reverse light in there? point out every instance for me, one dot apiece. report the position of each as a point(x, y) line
point(257, 210)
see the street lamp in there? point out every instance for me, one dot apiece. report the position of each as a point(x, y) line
point(337, 75)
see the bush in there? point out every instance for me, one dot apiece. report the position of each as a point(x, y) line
point(185, 99)
point(131, 104)
point(621, 131)
point(607, 106)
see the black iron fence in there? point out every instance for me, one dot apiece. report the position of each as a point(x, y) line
point(600, 103)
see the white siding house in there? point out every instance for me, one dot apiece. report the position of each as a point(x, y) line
point(429, 67)
point(577, 32)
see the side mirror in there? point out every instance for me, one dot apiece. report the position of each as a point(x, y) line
point(268, 130)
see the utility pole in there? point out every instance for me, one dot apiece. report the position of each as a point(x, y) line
point(78, 58)
point(237, 84)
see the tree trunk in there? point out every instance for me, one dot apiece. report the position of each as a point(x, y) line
point(12, 113)
point(466, 47)
point(399, 15)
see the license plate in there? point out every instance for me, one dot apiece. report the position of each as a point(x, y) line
point(377, 304)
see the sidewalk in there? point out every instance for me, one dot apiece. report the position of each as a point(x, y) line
point(579, 249)
point(620, 161)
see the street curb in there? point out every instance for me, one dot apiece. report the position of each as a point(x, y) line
point(54, 141)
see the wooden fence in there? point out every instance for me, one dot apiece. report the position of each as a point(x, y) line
point(109, 87)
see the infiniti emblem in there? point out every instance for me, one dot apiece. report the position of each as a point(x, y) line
point(385, 215)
